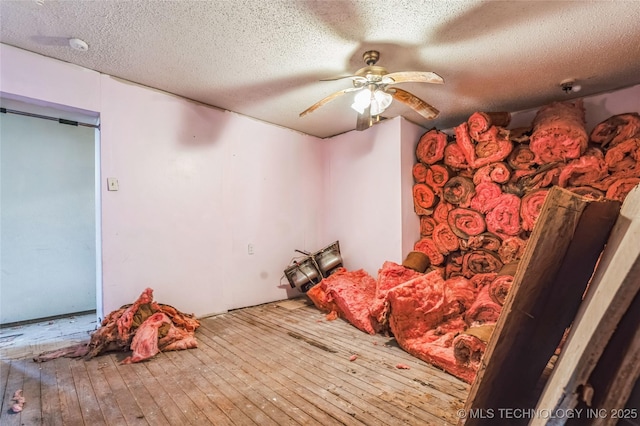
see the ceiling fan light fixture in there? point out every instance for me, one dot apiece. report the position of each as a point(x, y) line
point(379, 101)
point(376, 90)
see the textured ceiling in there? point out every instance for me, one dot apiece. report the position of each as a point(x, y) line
point(264, 59)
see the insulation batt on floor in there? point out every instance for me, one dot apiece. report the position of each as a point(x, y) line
point(478, 194)
point(144, 327)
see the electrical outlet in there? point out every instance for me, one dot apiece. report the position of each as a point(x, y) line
point(112, 184)
point(250, 249)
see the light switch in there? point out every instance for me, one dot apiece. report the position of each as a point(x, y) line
point(112, 184)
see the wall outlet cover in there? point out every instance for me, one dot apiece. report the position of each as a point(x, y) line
point(112, 184)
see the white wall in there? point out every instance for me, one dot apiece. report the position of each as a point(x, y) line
point(410, 135)
point(366, 194)
point(597, 108)
point(197, 185)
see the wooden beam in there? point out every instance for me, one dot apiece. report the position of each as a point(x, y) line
point(618, 369)
point(552, 276)
point(614, 286)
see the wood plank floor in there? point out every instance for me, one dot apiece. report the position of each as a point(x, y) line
point(280, 363)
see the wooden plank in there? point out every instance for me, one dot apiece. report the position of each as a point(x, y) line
point(167, 381)
point(273, 367)
point(614, 285)
point(137, 389)
point(51, 411)
point(125, 400)
point(253, 370)
point(69, 404)
point(385, 349)
point(89, 407)
point(357, 377)
point(315, 387)
point(200, 375)
point(618, 369)
point(172, 412)
point(105, 397)
point(175, 371)
point(297, 373)
point(5, 391)
point(32, 412)
point(548, 286)
point(14, 382)
point(262, 395)
point(363, 393)
point(384, 357)
point(253, 366)
point(233, 403)
point(228, 384)
point(377, 345)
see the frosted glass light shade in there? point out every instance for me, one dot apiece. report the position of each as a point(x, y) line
point(379, 101)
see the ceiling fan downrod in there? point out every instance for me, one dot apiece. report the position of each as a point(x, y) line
point(371, 57)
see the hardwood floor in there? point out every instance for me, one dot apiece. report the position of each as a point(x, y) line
point(280, 363)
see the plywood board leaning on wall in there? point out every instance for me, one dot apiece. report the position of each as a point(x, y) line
point(547, 290)
point(613, 290)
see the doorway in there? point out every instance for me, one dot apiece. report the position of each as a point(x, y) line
point(48, 217)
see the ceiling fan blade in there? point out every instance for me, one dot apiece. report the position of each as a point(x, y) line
point(353, 77)
point(413, 77)
point(420, 106)
point(328, 99)
point(364, 119)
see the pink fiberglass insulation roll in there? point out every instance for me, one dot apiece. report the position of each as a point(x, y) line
point(485, 197)
point(419, 172)
point(427, 246)
point(511, 249)
point(424, 198)
point(499, 288)
point(616, 129)
point(504, 218)
point(530, 207)
point(431, 147)
point(497, 172)
point(389, 276)
point(459, 295)
point(484, 309)
point(416, 306)
point(623, 159)
point(427, 225)
point(480, 262)
point(621, 187)
point(466, 222)
point(582, 171)
point(444, 238)
point(559, 132)
point(145, 341)
point(437, 176)
point(353, 292)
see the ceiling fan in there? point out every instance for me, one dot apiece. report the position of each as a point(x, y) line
point(375, 94)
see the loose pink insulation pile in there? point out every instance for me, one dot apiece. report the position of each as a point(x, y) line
point(478, 195)
point(144, 327)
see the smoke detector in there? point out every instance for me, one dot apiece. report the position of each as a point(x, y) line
point(78, 44)
point(570, 86)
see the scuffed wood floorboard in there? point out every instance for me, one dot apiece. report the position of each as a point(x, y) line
point(273, 364)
